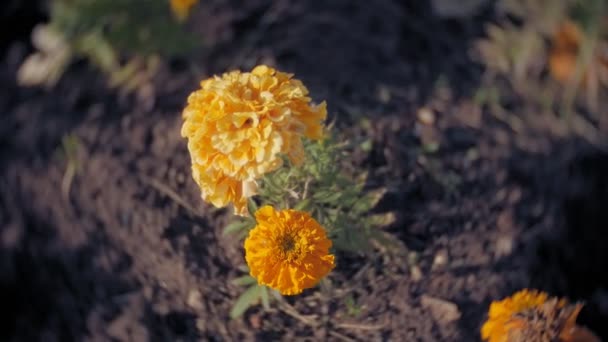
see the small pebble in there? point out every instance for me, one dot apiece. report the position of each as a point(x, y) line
point(441, 259)
point(504, 246)
point(195, 299)
point(416, 273)
point(442, 311)
point(426, 116)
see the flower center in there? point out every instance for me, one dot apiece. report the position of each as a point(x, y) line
point(289, 248)
point(287, 244)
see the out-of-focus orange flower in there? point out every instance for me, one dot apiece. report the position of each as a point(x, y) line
point(564, 52)
point(501, 314)
point(288, 250)
point(564, 55)
point(530, 315)
point(181, 8)
point(239, 124)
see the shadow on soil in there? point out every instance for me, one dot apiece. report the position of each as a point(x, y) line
point(48, 289)
point(568, 257)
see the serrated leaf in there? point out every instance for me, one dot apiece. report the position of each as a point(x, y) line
point(246, 300)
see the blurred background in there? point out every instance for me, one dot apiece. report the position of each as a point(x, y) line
point(485, 120)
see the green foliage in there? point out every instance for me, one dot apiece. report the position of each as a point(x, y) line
point(590, 15)
point(141, 27)
point(322, 187)
point(254, 294)
point(540, 15)
point(107, 33)
point(514, 49)
point(352, 307)
point(240, 227)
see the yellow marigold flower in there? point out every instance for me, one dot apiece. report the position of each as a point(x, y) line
point(181, 8)
point(237, 126)
point(530, 315)
point(288, 250)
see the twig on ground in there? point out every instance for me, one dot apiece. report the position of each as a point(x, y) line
point(291, 311)
point(340, 336)
point(167, 191)
point(355, 326)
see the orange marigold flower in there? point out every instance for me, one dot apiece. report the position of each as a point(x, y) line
point(237, 126)
point(288, 250)
point(530, 315)
point(181, 8)
point(565, 52)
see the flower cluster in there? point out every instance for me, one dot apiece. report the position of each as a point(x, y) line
point(288, 250)
point(530, 315)
point(239, 124)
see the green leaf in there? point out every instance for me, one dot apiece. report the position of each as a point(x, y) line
point(244, 280)
point(383, 219)
point(264, 297)
point(376, 195)
point(239, 226)
point(385, 240)
point(353, 239)
point(252, 207)
point(431, 147)
point(303, 205)
point(247, 299)
point(328, 196)
point(367, 145)
point(99, 50)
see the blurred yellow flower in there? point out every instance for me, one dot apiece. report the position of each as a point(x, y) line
point(237, 126)
point(530, 315)
point(288, 250)
point(181, 8)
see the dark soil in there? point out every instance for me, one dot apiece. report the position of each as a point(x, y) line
point(131, 253)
